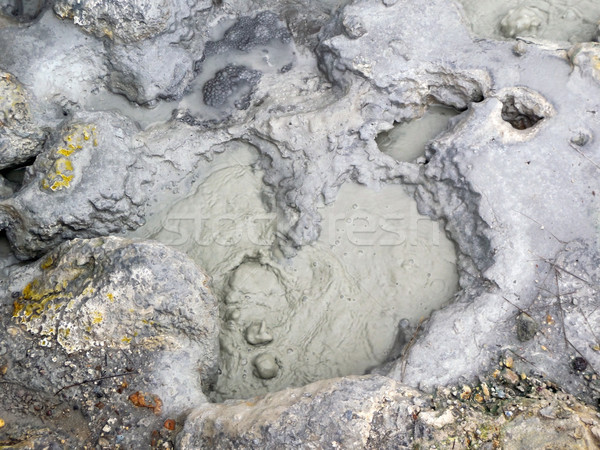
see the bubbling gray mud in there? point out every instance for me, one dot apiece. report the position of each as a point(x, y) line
point(406, 141)
point(331, 310)
point(556, 20)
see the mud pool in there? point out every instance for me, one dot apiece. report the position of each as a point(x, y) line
point(336, 308)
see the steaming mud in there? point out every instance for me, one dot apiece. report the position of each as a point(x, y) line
point(331, 310)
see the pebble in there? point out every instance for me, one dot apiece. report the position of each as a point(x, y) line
point(266, 366)
point(509, 376)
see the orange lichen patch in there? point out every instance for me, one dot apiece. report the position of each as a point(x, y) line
point(111, 297)
point(146, 400)
point(108, 33)
point(60, 175)
point(596, 63)
point(466, 393)
point(121, 386)
point(169, 424)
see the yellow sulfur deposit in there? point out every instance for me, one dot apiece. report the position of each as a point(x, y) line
point(61, 173)
point(35, 299)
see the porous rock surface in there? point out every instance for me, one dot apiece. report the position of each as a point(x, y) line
point(374, 412)
point(93, 323)
point(20, 138)
point(144, 18)
point(514, 179)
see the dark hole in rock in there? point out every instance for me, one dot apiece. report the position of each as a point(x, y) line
point(7, 257)
point(477, 97)
point(4, 245)
point(518, 115)
point(15, 175)
point(22, 10)
point(579, 364)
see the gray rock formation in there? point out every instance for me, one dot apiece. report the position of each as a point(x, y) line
point(248, 33)
point(377, 413)
point(97, 325)
point(134, 71)
point(145, 19)
point(332, 413)
point(233, 84)
point(77, 186)
point(20, 138)
point(60, 65)
point(97, 175)
point(509, 243)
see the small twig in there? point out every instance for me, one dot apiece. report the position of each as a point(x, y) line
point(523, 358)
point(463, 270)
point(541, 225)
point(482, 192)
point(94, 380)
point(593, 311)
point(548, 291)
point(562, 269)
point(562, 311)
point(589, 326)
point(552, 264)
point(589, 283)
point(518, 307)
point(407, 348)
point(568, 343)
point(584, 155)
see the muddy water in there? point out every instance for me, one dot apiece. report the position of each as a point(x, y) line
point(554, 20)
point(406, 141)
point(331, 310)
point(267, 59)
